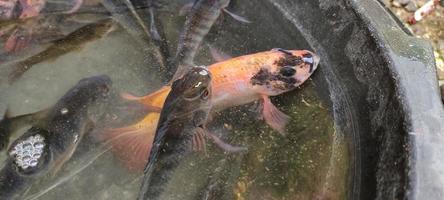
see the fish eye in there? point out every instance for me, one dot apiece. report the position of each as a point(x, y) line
point(205, 94)
point(287, 71)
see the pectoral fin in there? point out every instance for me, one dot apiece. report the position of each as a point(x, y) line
point(132, 144)
point(273, 116)
point(237, 17)
point(198, 142)
point(225, 146)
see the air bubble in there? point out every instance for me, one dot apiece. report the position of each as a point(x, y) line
point(33, 163)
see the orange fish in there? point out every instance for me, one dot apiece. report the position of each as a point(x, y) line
point(236, 81)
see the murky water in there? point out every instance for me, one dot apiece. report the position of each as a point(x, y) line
point(309, 162)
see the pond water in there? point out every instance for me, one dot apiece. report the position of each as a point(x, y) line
point(310, 161)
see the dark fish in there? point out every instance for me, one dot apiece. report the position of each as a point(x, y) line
point(156, 32)
point(125, 13)
point(74, 41)
point(179, 131)
point(51, 141)
point(198, 23)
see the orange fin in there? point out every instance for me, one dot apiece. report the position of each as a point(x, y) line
point(273, 116)
point(129, 96)
point(155, 99)
point(132, 144)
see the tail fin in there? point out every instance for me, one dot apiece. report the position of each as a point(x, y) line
point(132, 144)
point(155, 99)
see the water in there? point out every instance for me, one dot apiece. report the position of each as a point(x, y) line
point(310, 161)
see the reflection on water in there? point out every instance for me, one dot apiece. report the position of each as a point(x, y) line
point(309, 162)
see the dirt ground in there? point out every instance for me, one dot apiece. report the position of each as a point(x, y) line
point(430, 28)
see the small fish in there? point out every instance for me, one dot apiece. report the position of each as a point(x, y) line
point(31, 8)
point(38, 32)
point(124, 12)
point(51, 141)
point(180, 128)
point(198, 23)
point(236, 81)
point(74, 41)
point(7, 9)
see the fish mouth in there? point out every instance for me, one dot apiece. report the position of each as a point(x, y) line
point(311, 59)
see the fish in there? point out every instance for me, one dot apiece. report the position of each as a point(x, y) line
point(39, 32)
point(179, 130)
point(157, 33)
point(50, 142)
point(198, 23)
point(237, 81)
point(74, 41)
point(7, 9)
point(31, 8)
point(124, 12)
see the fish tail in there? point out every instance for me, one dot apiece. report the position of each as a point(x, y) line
point(148, 100)
point(130, 144)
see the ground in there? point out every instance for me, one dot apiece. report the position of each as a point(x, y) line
point(430, 28)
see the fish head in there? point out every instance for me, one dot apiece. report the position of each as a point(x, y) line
point(289, 70)
point(190, 96)
point(89, 97)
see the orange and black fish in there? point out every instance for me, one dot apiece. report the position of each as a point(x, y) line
point(235, 82)
point(52, 140)
point(180, 127)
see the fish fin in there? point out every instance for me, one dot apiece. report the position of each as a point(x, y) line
point(186, 9)
point(129, 96)
point(142, 100)
point(75, 7)
point(155, 99)
point(225, 146)
point(237, 17)
point(16, 71)
point(18, 40)
point(273, 116)
point(58, 164)
point(5, 130)
point(218, 55)
point(131, 144)
point(19, 121)
point(9, 124)
point(198, 141)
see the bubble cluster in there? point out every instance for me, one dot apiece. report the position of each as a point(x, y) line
point(27, 152)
